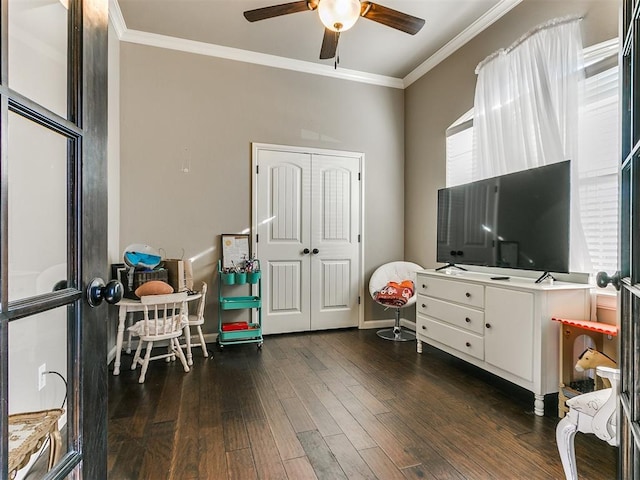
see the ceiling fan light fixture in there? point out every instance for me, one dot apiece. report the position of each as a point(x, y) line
point(339, 15)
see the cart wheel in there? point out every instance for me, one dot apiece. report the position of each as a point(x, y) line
point(260, 346)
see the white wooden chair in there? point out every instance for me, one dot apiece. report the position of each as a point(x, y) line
point(593, 412)
point(394, 272)
point(196, 320)
point(163, 319)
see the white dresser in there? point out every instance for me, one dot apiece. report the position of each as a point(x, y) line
point(502, 326)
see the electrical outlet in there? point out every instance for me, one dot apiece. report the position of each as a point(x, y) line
point(42, 377)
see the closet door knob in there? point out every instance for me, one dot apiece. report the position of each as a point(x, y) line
point(424, 286)
point(488, 325)
point(468, 344)
point(424, 327)
point(467, 319)
point(467, 294)
point(424, 306)
point(315, 251)
point(306, 251)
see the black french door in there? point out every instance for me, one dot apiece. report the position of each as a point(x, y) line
point(53, 223)
point(629, 250)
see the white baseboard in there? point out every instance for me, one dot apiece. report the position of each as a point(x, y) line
point(388, 323)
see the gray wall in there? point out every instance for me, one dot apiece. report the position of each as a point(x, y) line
point(441, 96)
point(179, 108)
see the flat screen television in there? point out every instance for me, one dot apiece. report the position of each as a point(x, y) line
point(519, 220)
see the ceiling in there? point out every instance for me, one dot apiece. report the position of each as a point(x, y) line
point(368, 50)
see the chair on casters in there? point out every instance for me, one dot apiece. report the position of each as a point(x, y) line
point(593, 412)
point(196, 320)
point(394, 272)
point(163, 319)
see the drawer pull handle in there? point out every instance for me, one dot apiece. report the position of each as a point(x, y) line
point(468, 344)
point(467, 319)
point(488, 325)
point(424, 327)
point(467, 295)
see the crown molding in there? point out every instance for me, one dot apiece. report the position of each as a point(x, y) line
point(116, 18)
point(484, 22)
point(219, 51)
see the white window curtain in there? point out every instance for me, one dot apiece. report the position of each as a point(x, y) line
point(526, 111)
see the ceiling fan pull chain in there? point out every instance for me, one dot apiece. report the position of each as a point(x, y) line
point(337, 60)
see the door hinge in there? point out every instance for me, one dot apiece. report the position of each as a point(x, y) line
point(359, 176)
point(358, 238)
point(257, 169)
point(358, 299)
point(257, 237)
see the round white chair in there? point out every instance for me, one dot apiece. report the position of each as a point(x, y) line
point(394, 272)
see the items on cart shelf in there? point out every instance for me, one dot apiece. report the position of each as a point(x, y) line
point(246, 271)
point(233, 326)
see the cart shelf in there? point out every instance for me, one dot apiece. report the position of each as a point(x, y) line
point(236, 303)
point(252, 332)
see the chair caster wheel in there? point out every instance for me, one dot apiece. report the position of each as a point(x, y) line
point(260, 346)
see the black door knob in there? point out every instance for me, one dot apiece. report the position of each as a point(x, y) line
point(306, 251)
point(315, 251)
point(603, 279)
point(98, 291)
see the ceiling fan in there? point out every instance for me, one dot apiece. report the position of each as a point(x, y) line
point(339, 16)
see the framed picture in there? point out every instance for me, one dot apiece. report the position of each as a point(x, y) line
point(235, 250)
point(116, 269)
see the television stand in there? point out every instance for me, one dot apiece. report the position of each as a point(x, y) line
point(450, 265)
point(544, 276)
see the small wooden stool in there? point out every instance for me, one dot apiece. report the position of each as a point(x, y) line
point(27, 433)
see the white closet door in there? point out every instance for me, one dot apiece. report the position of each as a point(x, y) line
point(334, 234)
point(283, 212)
point(308, 217)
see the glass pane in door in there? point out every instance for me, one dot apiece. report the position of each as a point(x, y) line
point(37, 343)
point(37, 204)
point(38, 51)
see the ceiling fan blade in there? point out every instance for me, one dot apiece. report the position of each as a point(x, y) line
point(278, 10)
point(391, 18)
point(329, 44)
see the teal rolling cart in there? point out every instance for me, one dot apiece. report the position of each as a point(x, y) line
point(233, 333)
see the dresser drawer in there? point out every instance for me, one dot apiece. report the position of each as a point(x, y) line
point(459, 292)
point(453, 337)
point(457, 315)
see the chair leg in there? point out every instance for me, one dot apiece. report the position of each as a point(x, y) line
point(176, 348)
point(187, 335)
point(565, 436)
point(202, 344)
point(55, 448)
point(145, 363)
point(136, 357)
point(397, 333)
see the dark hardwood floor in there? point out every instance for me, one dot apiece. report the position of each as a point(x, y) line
point(333, 405)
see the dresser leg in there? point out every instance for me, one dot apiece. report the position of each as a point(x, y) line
point(418, 346)
point(538, 405)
